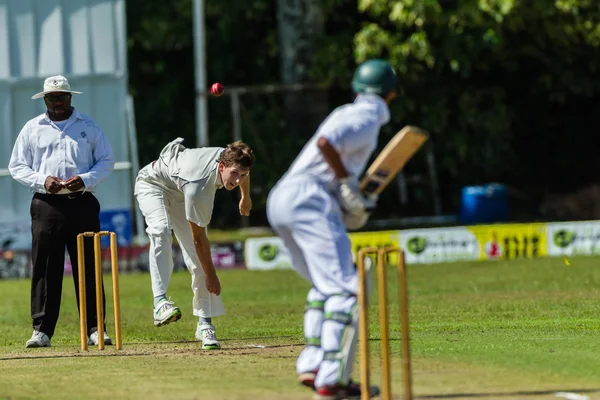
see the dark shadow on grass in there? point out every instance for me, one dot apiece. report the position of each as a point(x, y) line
point(504, 394)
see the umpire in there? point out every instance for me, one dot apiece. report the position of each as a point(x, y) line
point(61, 155)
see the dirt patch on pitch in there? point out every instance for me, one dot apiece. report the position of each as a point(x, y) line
point(162, 349)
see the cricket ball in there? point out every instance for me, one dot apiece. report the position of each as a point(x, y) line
point(216, 89)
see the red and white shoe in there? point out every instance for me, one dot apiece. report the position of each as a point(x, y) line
point(307, 379)
point(349, 392)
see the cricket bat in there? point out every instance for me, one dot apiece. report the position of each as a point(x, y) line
point(392, 159)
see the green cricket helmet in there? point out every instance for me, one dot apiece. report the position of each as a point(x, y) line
point(374, 76)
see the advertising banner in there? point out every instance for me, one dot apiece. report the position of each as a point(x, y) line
point(227, 255)
point(573, 238)
point(510, 241)
point(360, 240)
point(439, 245)
point(270, 253)
point(266, 253)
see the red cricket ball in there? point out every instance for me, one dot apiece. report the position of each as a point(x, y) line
point(216, 89)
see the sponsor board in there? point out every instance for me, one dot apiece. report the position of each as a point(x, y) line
point(270, 253)
point(510, 241)
point(573, 238)
point(359, 240)
point(225, 255)
point(228, 255)
point(266, 253)
point(17, 263)
point(482, 242)
point(439, 245)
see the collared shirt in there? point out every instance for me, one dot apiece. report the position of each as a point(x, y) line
point(353, 130)
point(189, 175)
point(42, 149)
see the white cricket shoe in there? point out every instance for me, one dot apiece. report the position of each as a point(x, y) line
point(38, 339)
point(93, 340)
point(166, 312)
point(206, 333)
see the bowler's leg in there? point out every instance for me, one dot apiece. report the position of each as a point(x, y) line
point(205, 304)
point(155, 208)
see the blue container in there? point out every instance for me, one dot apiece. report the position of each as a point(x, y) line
point(484, 204)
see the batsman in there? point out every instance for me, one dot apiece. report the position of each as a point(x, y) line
point(311, 208)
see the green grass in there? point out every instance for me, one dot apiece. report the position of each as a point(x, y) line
point(512, 329)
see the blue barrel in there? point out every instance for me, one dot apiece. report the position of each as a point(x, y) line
point(484, 204)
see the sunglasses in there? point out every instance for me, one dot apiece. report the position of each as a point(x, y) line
point(53, 98)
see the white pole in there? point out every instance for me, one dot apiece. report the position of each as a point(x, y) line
point(140, 237)
point(200, 66)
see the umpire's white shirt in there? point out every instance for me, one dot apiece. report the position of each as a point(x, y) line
point(44, 149)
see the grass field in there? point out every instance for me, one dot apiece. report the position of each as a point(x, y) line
point(494, 330)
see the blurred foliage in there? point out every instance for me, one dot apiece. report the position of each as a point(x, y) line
point(242, 49)
point(500, 84)
point(507, 88)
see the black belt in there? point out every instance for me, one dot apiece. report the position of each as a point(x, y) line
point(67, 196)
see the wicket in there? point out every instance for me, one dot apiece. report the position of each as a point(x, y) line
point(386, 384)
point(98, 275)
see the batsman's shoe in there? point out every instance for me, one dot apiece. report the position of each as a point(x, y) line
point(307, 379)
point(350, 392)
point(166, 312)
point(206, 334)
point(93, 340)
point(38, 339)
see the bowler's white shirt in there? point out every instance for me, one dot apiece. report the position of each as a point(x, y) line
point(352, 130)
point(43, 149)
point(188, 175)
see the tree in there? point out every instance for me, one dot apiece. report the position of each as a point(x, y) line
point(243, 47)
point(499, 83)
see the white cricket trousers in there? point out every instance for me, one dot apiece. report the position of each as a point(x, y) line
point(165, 215)
point(309, 221)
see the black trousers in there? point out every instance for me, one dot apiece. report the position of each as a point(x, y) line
point(56, 220)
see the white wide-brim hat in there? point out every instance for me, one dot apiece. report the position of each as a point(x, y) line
point(53, 84)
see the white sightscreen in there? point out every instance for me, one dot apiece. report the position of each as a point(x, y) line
point(85, 40)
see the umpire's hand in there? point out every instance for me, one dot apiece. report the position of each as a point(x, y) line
point(52, 184)
point(74, 183)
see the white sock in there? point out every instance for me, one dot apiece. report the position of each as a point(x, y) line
point(158, 299)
